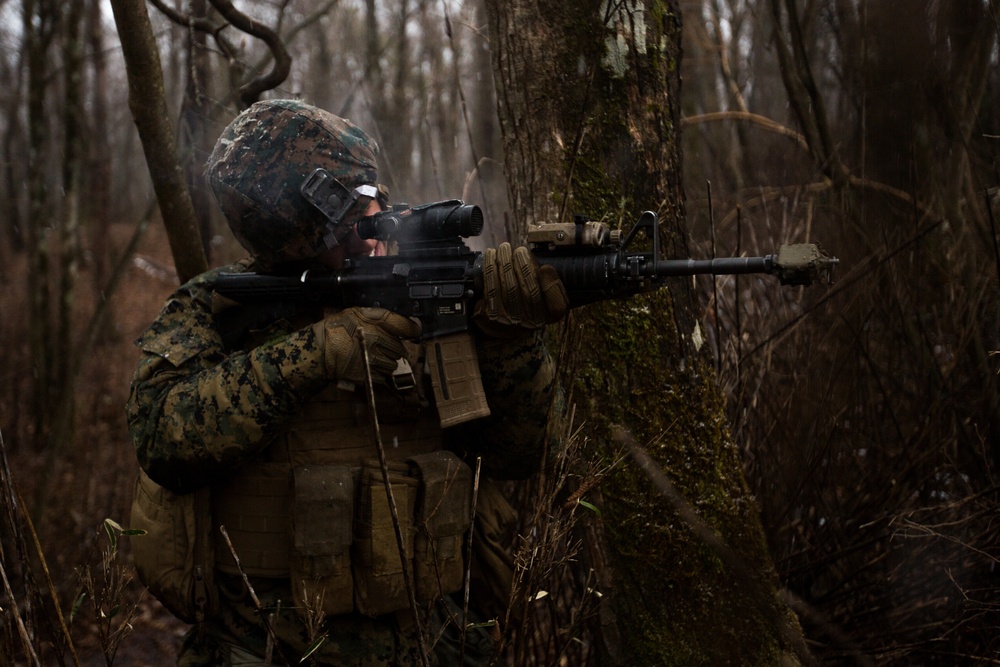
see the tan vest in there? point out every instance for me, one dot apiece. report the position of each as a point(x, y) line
point(314, 507)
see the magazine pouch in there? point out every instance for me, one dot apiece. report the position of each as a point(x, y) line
point(379, 582)
point(443, 517)
point(322, 527)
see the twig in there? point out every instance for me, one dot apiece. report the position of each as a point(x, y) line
point(736, 293)
point(753, 118)
point(400, 545)
point(13, 503)
point(250, 92)
point(466, 585)
point(21, 630)
point(715, 286)
point(861, 272)
point(930, 532)
point(48, 577)
point(265, 618)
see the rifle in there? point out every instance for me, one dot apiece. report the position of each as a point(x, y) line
point(435, 277)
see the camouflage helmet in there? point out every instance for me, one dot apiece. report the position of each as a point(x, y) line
point(262, 159)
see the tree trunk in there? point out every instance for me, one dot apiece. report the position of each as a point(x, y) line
point(387, 80)
point(149, 108)
point(13, 217)
point(588, 95)
point(69, 231)
point(196, 141)
point(98, 202)
point(39, 21)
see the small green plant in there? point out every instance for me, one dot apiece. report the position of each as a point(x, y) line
point(106, 591)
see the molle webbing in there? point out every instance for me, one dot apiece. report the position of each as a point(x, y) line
point(255, 509)
point(257, 505)
point(334, 428)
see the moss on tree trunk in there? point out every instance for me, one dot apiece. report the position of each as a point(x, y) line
point(589, 107)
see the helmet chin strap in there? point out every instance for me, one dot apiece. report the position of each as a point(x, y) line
point(335, 202)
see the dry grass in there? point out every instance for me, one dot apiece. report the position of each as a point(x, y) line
point(91, 479)
point(867, 414)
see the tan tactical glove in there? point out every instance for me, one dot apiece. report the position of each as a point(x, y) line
point(342, 351)
point(519, 296)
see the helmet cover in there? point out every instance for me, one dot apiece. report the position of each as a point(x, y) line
point(261, 160)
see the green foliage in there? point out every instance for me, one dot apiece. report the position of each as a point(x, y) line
point(113, 607)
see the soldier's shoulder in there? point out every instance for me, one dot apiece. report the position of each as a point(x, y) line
point(202, 285)
point(187, 312)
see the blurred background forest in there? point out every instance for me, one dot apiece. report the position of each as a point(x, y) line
point(867, 413)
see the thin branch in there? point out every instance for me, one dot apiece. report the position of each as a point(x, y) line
point(859, 273)
point(383, 463)
point(265, 618)
point(250, 92)
point(467, 576)
point(292, 32)
point(465, 107)
point(9, 493)
point(186, 20)
point(200, 23)
point(770, 194)
point(753, 118)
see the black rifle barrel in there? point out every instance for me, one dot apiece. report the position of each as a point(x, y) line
point(605, 269)
point(600, 276)
point(719, 267)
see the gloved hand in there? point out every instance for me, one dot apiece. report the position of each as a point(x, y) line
point(384, 331)
point(519, 296)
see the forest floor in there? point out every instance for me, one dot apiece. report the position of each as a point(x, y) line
point(71, 489)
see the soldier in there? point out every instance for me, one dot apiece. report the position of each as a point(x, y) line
point(269, 526)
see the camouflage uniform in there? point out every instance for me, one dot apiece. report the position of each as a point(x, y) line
point(197, 409)
point(203, 407)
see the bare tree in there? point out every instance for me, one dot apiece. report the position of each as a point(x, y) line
point(39, 25)
point(869, 415)
point(158, 138)
point(72, 179)
point(99, 158)
point(13, 221)
point(195, 127)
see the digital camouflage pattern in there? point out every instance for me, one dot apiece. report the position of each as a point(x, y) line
point(199, 409)
point(261, 160)
point(204, 402)
point(196, 409)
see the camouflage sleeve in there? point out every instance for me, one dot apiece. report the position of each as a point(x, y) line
point(194, 410)
point(520, 382)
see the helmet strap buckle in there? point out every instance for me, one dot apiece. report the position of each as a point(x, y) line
point(331, 198)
